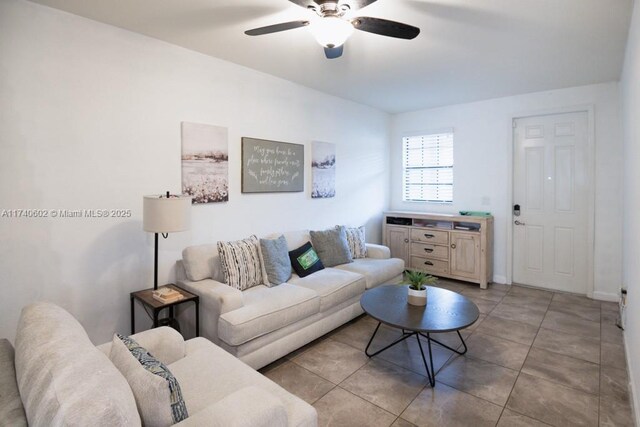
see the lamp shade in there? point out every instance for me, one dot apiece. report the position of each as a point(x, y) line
point(163, 214)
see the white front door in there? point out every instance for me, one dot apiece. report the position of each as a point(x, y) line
point(551, 185)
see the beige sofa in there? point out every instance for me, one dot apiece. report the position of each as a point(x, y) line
point(262, 324)
point(62, 379)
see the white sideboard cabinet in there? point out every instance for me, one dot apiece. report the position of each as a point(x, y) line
point(452, 246)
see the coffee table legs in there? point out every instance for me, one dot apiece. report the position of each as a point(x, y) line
point(431, 373)
point(446, 346)
point(405, 335)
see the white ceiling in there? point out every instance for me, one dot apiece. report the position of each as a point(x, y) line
point(468, 50)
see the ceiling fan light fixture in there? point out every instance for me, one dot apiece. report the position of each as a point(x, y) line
point(331, 31)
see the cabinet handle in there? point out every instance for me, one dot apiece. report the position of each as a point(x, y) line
point(429, 236)
point(428, 250)
point(406, 240)
point(453, 246)
point(428, 263)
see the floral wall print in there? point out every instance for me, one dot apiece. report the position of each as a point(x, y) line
point(205, 162)
point(323, 170)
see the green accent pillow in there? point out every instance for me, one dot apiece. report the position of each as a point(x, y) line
point(305, 260)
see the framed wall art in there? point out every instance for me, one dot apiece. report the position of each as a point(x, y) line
point(323, 170)
point(271, 166)
point(205, 163)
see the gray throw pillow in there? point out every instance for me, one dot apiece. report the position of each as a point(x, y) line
point(275, 255)
point(332, 246)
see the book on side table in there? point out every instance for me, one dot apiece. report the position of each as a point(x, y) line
point(167, 295)
point(168, 298)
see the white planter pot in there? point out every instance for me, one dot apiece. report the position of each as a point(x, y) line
point(418, 298)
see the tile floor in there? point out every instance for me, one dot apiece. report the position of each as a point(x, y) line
point(535, 358)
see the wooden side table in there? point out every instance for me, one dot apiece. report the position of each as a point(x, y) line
point(145, 297)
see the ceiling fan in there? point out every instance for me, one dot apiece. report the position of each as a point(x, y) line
point(332, 28)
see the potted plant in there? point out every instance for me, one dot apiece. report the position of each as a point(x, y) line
point(418, 281)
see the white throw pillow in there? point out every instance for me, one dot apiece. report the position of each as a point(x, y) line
point(356, 240)
point(242, 263)
point(156, 390)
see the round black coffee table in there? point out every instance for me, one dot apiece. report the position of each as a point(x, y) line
point(446, 311)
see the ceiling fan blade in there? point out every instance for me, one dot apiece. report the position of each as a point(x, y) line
point(385, 27)
point(276, 28)
point(357, 4)
point(333, 52)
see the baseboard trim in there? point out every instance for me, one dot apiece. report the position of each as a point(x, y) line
point(606, 296)
point(500, 279)
point(635, 403)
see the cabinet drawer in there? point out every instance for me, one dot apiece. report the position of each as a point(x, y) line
point(434, 266)
point(430, 236)
point(429, 250)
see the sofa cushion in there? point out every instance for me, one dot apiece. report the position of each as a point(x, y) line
point(332, 246)
point(62, 376)
point(376, 271)
point(276, 260)
point(241, 263)
point(265, 410)
point(209, 364)
point(305, 260)
point(332, 285)
point(11, 409)
point(266, 310)
point(356, 241)
point(157, 392)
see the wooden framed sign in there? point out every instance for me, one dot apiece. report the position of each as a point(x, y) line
point(271, 166)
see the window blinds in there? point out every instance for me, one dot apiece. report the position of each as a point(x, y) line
point(428, 168)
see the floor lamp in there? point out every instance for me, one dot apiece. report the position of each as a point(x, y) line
point(164, 214)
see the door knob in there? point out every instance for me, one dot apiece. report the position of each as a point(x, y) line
point(519, 223)
point(453, 246)
point(406, 240)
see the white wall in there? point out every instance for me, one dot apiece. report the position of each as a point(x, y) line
point(90, 118)
point(482, 138)
point(630, 91)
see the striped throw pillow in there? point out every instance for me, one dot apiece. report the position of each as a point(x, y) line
point(157, 391)
point(357, 244)
point(241, 263)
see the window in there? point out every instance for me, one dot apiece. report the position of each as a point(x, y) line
point(428, 168)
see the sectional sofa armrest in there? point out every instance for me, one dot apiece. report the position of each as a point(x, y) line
point(216, 298)
point(164, 343)
point(248, 407)
point(378, 251)
point(11, 409)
